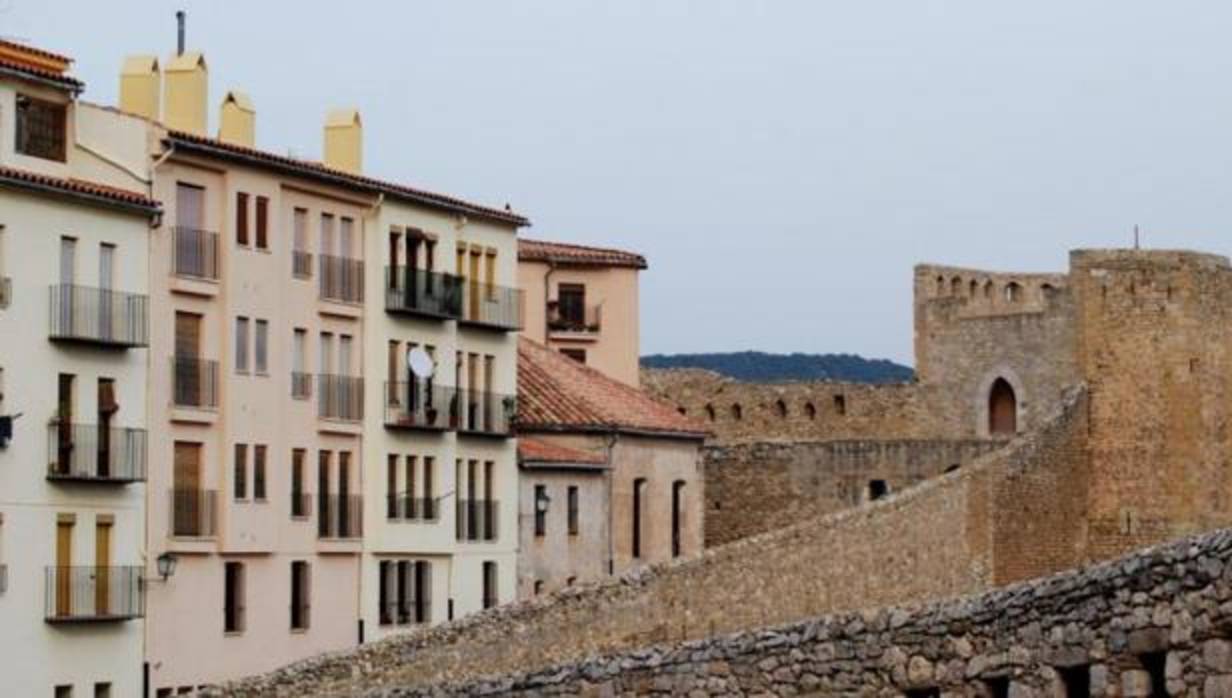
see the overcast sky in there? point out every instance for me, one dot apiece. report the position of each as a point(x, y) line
point(783, 164)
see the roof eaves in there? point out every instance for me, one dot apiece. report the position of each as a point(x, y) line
point(149, 210)
point(608, 428)
point(63, 82)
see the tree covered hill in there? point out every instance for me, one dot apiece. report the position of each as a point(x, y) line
point(760, 367)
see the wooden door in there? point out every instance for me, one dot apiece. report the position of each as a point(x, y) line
point(102, 568)
point(186, 489)
point(64, 424)
point(187, 349)
point(1002, 409)
point(474, 285)
point(107, 407)
point(64, 569)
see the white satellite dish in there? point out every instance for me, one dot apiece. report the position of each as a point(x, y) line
point(420, 363)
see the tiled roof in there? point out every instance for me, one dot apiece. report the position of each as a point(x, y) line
point(40, 75)
point(36, 51)
point(78, 188)
point(536, 451)
point(556, 393)
point(209, 146)
point(562, 253)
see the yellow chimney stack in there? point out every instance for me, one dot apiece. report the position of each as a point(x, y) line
point(238, 120)
point(185, 89)
point(344, 140)
point(139, 86)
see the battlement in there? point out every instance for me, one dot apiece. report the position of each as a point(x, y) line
point(968, 293)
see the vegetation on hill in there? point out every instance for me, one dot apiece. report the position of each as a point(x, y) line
point(760, 367)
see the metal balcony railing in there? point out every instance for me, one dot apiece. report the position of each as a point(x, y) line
point(195, 253)
point(483, 413)
point(421, 292)
point(301, 264)
point(477, 520)
point(404, 507)
point(6, 291)
point(194, 513)
point(587, 319)
point(92, 594)
point(340, 397)
point(488, 305)
point(92, 453)
point(301, 505)
point(340, 517)
point(301, 385)
point(99, 316)
point(194, 382)
point(420, 405)
point(342, 279)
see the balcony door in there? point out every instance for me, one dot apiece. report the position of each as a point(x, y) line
point(107, 407)
point(186, 489)
point(102, 568)
point(68, 277)
point(64, 424)
point(187, 365)
point(106, 276)
point(193, 256)
point(64, 562)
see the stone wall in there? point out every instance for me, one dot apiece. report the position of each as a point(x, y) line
point(936, 540)
point(756, 487)
point(1153, 624)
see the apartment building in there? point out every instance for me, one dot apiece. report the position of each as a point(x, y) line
point(74, 332)
point(583, 302)
point(441, 451)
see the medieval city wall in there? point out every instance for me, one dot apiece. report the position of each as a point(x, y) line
point(937, 540)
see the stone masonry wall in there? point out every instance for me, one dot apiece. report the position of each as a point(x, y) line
point(935, 540)
point(1156, 623)
point(756, 487)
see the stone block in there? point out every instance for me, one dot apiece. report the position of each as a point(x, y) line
point(1135, 683)
point(1148, 640)
point(1217, 655)
point(1218, 687)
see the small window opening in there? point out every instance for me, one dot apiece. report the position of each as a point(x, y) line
point(1013, 292)
point(810, 411)
point(974, 290)
point(1076, 680)
point(737, 412)
point(988, 290)
point(710, 412)
point(780, 408)
point(840, 404)
point(953, 468)
point(940, 286)
point(877, 489)
point(956, 287)
point(682, 411)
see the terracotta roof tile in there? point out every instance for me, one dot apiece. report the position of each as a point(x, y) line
point(544, 452)
point(556, 393)
point(564, 253)
point(38, 74)
point(36, 51)
point(210, 146)
point(78, 187)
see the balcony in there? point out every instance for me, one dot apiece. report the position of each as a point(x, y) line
point(485, 414)
point(301, 385)
point(421, 406)
point(477, 520)
point(341, 279)
point(301, 264)
point(301, 505)
point(404, 507)
point(95, 454)
point(6, 291)
point(194, 513)
point(340, 397)
point(195, 253)
point(488, 305)
point(579, 322)
point(340, 517)
point(423, 293)
point(93, 594)
point(85, 315)
point(194, 383)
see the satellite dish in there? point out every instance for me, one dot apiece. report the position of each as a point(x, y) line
point(420, 363)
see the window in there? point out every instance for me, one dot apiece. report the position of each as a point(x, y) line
point(573, 510)
point(877, 489)
point(677, 516)
point(262, 348)
point(40, 130)
point(1002, 409)
point(301, 382)
point(301, 258)
point(810, 411)
point(64, 692)
point(385, 592)
point(571, 306)
point(241, 471)
point(392, 500)
point(578, 355)
point(737, 412)
point(423, 592)
point(102, 690)
point(840, 404)
point(538, 587)
point(489, 585)
point(233, 597)
point(299, 595)
point(241, 345)
point(262, 223)
point(639, 495)
point(299, 500)
point(258, 473)
point(241, 219)
point(780, 408)
point(570, 581)
point(541, 510)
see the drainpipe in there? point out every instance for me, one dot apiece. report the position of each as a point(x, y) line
point(611, 516)
point(547, 294)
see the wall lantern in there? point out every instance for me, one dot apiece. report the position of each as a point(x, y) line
point(166, 565)
point(542, 502)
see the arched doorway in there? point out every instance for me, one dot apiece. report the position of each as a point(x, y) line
point(1002, 409)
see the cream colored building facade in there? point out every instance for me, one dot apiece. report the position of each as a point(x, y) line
point(583, 301)
point(74, 333)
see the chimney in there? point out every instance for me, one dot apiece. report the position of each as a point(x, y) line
point(344, 140)
point(237, 122)
point(185, 88)
point(139, 85)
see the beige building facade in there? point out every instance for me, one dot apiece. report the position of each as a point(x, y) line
point(583, 302)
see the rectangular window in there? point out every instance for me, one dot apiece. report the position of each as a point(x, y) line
point(489, 585)
point(40, 130)
point(300, 595)
point(677, 517)
point(262, 223)
point(241, 345)
point(578, 355)
point(64, 692)
point(405, 592)
point(258, 473)
point(639, 494)
point(233, 597)
point(573, 510)
point(385, 597)
point(571, 306)
point(299, 500)
point(102, 690)
point(393, 509)
point(262, 347)
point(241, 471)
point(541, 510)
point(423, 591)
point(241, 219)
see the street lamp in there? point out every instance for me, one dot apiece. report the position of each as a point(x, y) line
point(542, 502)
point(166, 565)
